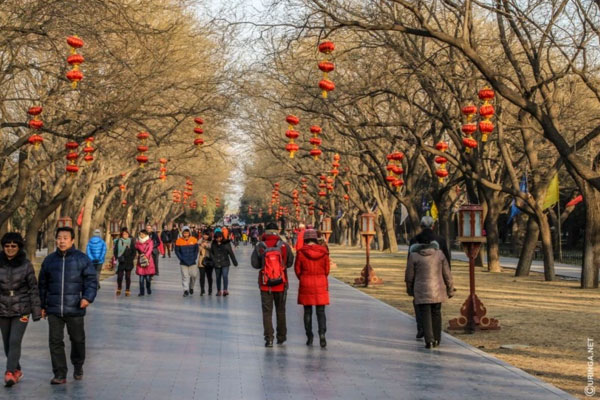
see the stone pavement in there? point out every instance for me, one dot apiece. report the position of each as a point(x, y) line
point(165, 346)
point(565, 270)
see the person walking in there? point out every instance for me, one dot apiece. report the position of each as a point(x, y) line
point(186, 250)
point(165, 237)
point(124, 251)
point(144, 262)
point(312, 270)
point(426, 236)
point(205, 263)
point(272, 256)
point(67, 286)
point(429, 280)
point(19, 299)
point(155, 245)
point(221, 252)
point(300, 236)
point(96, 251)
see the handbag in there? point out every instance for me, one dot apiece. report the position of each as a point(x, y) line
point(143, 261)
point(208, 262)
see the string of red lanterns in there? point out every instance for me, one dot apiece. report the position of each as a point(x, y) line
point(487, 111)
point(335, 165)
point(198, 131)
point(326, 67)
point(142, 148)
point(441, 172)
point(292, 134)
point(35, 124)
point(176, 196)
point(72, 157)
point(88, 149)
point(394, 169)
point(163, 169)
point(75, 60)
point(315, 141)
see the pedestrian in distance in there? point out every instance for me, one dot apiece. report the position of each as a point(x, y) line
point(124, 251)
point(144, 261)
point(96, 251)
point(221, 253)
point(272, 256)
point(67, 286)
point(429, 280)
point(19, 300)
point(205, 262)
point(165, 237)
point(427, 235)
point(186, 250)
point(312, 270)
point(155, 246)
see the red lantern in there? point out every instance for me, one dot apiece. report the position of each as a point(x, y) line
point(441, 146)
point(441, 173)
point(326, 66)
point(292, 148)
point(75, 59)
point(326, 86)
point(469, 144)
point(469, 129)
point(122, 187)
point(398, 183)
point(292, 134)
point(198, 120)
point(36, 124)
point(71, 145)
point(292, 120)
point(487, 110)
point(469, 112)
point(123, 203)
point(35, 140)
point(486, 94)
point(198, 131)
point(143, 136)
point(326, 47)
point(322, 193)
point(36, 110)
point(198, 142)
point(142, 159)
point(485, 127)
point(72, 169)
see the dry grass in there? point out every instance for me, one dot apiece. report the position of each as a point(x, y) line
point(553, 318)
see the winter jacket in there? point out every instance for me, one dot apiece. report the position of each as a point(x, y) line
point(65, 279)
point(165, 236)
point(19, 293)
point(312, 269)
point(96, 250)
point(300, 239)
point(144, 248)
point(187, 250)
point(426, 236)
point(270, 240)
point(155, 241)
point(428, 276)
point(127, 259)
point(221, 253)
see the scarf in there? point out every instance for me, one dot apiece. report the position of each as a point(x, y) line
point(122, 244)
point(144, 240)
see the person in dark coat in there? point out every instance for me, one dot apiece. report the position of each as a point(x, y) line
point(429, 280)
point(68, 285)
point(273, 295)
point(220, 253)
point(205, 263)
point(124, 252)
point(165, 237)
point(427, 236)
point(312, 269)
point(19, 298)
point(155, 245)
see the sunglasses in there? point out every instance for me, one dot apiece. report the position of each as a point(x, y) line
point(11, 246)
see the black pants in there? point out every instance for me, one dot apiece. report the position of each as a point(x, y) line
point(57, 345)
point(98, 273)
point(127, 274)
point(321, 320)
point(146, 279)
point(13, 330)
point(418, 318)
point(206, 274)
point(155, 254)
point(267, 300)
point(431, 318)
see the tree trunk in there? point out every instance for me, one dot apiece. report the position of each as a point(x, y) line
point(591, 250)
point(529, 243)
point(388, 219)
point(88, 210)
point(493, 238)
point(546, 237)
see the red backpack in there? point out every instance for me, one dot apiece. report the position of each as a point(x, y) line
point(273, 271)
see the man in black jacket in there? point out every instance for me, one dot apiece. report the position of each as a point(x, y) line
point(427, 236)
point(165, 236)
point(67, 284)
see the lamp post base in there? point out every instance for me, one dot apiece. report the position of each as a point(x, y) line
point(473, 317)
point(368, 271)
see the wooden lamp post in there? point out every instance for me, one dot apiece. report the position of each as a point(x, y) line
point(325, 229)
point(473, 312)
point(115, 228)
point(367, 229)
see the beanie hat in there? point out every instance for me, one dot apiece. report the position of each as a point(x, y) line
point(310, 234)
point(97, 232)
point(186, 228)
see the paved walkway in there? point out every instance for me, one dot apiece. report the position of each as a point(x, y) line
point(168, 347)
point(564, 270)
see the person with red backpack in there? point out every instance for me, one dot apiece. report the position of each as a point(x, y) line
point(272, 256)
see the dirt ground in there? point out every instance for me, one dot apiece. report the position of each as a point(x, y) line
point(554, 319)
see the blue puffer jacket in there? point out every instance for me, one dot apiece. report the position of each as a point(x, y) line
point(65, 279)
point(96, 250)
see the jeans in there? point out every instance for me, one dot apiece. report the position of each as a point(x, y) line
point(222, 272)
point(189, 274)
point(13, 330)
point(267, 300)
point(206, 274)
point(76, 332)
point(127, 279)
point(321, 320)
point(431, 318)
point(98, 272)
point(145, 278)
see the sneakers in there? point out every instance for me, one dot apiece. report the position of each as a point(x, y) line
point(118, 292)
point(191, 291)
point(281, 341)
point(268, 342)
point(18, 375)
point(78, 374)
point(322, 340)
point(186, 293)
point(58, 381)
point(309, 340)
point(127, 293)
point(9, 379)
point(202, 293)
point(225, 292)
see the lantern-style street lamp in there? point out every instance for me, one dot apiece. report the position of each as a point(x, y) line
point(473, 313)
point(367, 230)
point(325, 228)
point(114, 228)
point(64, 222)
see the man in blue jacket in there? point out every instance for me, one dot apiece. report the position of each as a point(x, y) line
point(96, 251)
point(68, 284)
point(186, 250)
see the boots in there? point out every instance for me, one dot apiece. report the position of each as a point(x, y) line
point(309, 339)
point(322, 340)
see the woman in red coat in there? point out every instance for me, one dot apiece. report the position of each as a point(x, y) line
point(312, 269)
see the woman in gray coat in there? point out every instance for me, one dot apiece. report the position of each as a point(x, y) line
point(429, 280)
